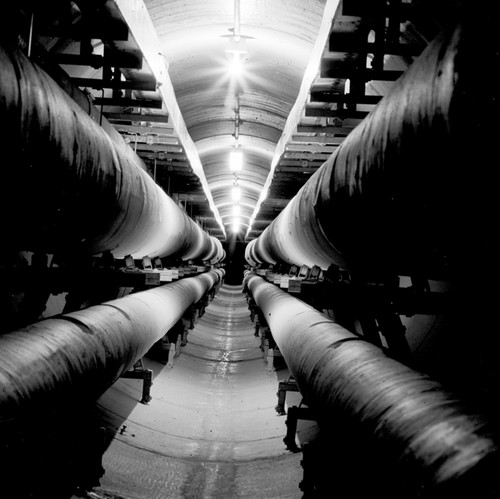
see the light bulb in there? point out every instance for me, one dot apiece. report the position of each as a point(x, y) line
point(236, 225)
point(236, 159)
point(236, 194)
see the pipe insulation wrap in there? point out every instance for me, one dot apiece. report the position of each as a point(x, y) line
point(82, 353)
point(408, 189)
point(412, 422)
point(72, 188)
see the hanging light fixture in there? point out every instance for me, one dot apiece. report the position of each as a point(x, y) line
point(236, 225)
point(236, 155)
point(236, 159)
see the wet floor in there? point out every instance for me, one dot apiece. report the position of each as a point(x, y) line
point(211, 429)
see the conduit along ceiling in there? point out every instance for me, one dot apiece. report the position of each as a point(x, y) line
point(231, 105)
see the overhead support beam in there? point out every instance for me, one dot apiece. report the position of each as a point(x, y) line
point(344, 98)
point(138, 117)
point(128, 102)
point(325, 112)
point(99, 84)
point(167, 149)
point(296, 169)
point(302, 163)
point(326, 130)
point(308, 156)
point(311, 148)
point(91, 26)
point(318, 139)
point(331, 68)
point(355, 45)
point(164, 133)
point(118, 59)
point(402, 419)
point(143, 31)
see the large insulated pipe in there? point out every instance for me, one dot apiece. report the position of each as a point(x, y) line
point(79, 355)
point(410, 189)
point(422, 435)
point(70, 188)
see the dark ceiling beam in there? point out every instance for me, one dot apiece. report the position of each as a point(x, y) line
point(145, 130)
point(330, 68)
point(327, 130)
point(295, 169)
point(306, 155)
point(344, 98)
point(128, 60)
point(322, 112)
point(318, 139)
point(314, 148)
point(99, 84)
point(301, 163)
point(161, 155)
point(128, 102)
point(136, 117)
point(98, 27)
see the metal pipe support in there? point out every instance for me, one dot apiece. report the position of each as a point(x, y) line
point(424, 435)
point(80, 354)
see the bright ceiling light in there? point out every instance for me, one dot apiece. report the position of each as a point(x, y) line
point(236, 194)
point(236, 210)
point(235, 65)
point(236, 225)
point(236, 159)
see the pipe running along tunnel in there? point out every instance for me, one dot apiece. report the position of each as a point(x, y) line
point(213, 431)
point(398, 199)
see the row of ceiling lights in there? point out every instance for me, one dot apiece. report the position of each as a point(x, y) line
point(236, 49)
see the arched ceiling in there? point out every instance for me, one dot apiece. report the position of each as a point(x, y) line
point(155, 73)
point(195, 37)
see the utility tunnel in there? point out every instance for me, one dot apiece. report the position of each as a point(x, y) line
point(315, 320)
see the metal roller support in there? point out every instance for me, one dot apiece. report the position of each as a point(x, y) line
point(80, 354)
point(410, 188)
point(71, 189)
point(420, 433)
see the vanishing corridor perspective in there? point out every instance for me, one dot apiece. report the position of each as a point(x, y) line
point(211, 429)
point(249, 249)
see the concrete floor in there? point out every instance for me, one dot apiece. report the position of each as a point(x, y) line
point(211, 429)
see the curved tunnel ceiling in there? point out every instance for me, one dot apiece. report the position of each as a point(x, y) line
point(194, 37)
point(157, 71)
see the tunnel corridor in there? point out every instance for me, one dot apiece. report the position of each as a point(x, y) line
point(211, 429)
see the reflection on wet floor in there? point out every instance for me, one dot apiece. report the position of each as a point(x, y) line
point(211, 429)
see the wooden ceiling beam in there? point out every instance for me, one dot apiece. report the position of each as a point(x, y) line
point(136, 117)
point(99, 84)
point(337, 98)
point(306, 155)
point(317, 139)
point(327, 130)
point(145, 130)
point(158, 147)
point(322, 112)
point(301, 163)
point(128, 102)
point(296, 169)
point(128, 60)
point(331, 68)
point(314, 148)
